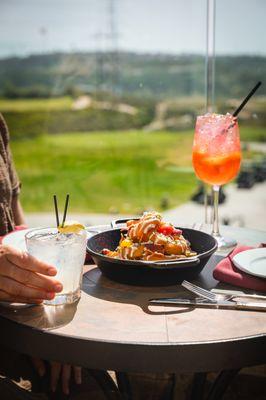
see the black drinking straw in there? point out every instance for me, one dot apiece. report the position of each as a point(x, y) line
point(65, 210)
point(56, 210)
point(244, 102)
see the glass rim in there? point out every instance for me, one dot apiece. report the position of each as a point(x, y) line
point(39, 229)
point(36, 234)
point(35, 231)
point(216, 116)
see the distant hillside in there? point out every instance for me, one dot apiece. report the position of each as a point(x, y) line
point(162, 76)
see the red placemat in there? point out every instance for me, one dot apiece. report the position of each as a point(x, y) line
point(226, 271)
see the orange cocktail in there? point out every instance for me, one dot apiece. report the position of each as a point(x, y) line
point(216, 155)
point(216, 170)
point(216, 148)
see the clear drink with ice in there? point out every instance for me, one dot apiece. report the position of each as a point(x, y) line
point(65, 251)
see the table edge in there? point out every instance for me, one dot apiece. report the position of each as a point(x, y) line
point(129, 356)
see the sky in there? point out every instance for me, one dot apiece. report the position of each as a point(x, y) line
point(150, 26)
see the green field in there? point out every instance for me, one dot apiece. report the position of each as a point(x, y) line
point(120, 171)
point(125, 171)
point(22, 105)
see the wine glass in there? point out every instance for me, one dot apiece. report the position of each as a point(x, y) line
point(217, 158)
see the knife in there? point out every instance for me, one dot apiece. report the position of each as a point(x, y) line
point(237, 293)
point(225, 304)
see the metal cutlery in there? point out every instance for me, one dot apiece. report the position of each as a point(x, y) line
point(214, 297)
point(200, 291)
point(235, 293)
point(216, 301)
point(225, 304)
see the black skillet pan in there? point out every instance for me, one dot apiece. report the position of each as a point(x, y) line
point(150, 273)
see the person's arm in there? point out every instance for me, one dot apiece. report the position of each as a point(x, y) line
point(12, 175)
point(17, 211)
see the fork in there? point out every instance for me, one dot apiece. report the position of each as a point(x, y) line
point(214, 297)
point(200, 291)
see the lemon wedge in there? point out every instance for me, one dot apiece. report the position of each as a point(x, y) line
point(71, 227)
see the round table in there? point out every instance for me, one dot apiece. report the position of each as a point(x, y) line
point(113, 327)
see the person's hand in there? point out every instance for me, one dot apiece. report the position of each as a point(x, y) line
point(59, 370)
point(24, 279)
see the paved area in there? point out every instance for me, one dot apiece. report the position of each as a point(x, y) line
point(48, 219)
point(243, 207)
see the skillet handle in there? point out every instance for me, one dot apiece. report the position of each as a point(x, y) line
point(115, 222)
point(192, 261)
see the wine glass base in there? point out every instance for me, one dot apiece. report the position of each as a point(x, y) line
point(225, 242)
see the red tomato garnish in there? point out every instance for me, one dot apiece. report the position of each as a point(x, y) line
point(166, 229)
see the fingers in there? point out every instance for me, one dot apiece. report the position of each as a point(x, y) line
point(18, 290)
point(55, 374)
point(39, 365)
point(26, 261)
point(77, 375)
point(9, 298)
point(28, 277)
point(66, 372)
point(21, 277)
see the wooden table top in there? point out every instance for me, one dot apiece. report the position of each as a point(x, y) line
point(114, 327)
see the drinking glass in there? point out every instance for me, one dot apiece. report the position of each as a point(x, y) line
point(66, 252)
point(217, 158)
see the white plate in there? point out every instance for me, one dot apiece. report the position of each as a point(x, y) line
point(252, 262)
point(17, 238)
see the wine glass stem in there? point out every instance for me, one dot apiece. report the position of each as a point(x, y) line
point(206, 202)
point(215, 226)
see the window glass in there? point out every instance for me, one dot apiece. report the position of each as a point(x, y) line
point(241, 62)
point(101, 98)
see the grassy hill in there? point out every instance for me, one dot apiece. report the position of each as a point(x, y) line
point(29, 118)
point(162, 76)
